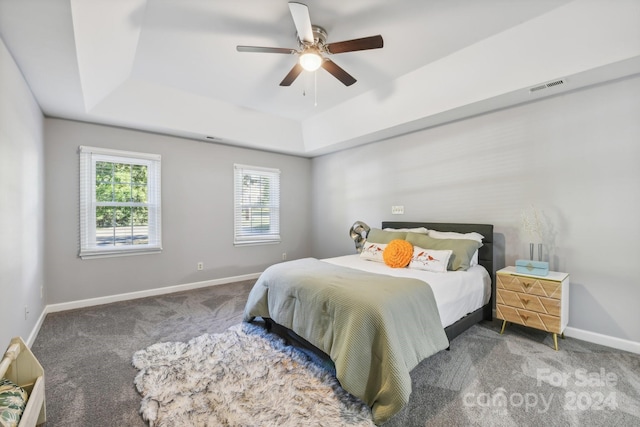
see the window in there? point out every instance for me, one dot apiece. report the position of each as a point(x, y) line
point(257, 205)
point(119, 203)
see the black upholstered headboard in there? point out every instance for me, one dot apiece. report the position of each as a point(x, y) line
point(485, 253)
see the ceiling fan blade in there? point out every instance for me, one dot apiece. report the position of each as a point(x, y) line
point(302, 21)
point(365, 43)
point(293, 74)
point(337, 72)
point(259, 49)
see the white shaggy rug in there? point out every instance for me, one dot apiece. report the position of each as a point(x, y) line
point(241, 377)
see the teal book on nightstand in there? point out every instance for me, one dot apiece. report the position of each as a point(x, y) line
point(537, 268)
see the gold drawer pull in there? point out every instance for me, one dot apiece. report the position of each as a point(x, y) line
point(524, 317)
point(527, 285)
point(525, 301)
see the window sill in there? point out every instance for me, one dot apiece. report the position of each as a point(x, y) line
point(257, 243)
point(118, 253)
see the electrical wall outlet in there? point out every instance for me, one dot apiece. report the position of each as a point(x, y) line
point(284, 256)
point(397, 210)
point(200, 266)
point(26, 312)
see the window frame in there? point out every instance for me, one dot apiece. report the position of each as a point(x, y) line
point(89, 156)
point(273, 234)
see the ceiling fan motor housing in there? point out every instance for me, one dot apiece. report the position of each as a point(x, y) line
point(319, 37)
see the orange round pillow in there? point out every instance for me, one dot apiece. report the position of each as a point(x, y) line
point(398, 253)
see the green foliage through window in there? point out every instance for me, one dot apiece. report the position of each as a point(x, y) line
point(257, 205)
point(256, 195)
point(120, 202)
point(120, 190)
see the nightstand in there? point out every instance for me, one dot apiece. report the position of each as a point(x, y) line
point(540, 302)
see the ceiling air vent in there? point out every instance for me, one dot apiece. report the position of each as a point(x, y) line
point(556, 83)
point(546, 85)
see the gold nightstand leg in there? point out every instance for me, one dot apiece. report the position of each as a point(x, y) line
point(504, 323)
point(562, 335)
point(555, 341)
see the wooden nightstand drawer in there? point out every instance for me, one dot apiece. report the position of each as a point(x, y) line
point(529, 302)
point(529, 318)
point(530, 285)
point(534, 301)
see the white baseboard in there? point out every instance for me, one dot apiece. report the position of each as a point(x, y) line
point(606, 340)
point(596, 338)
point(52, 308)
point(36, 328)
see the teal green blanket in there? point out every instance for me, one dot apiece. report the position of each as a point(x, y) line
point(375, 328)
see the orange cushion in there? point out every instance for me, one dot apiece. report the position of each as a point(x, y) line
point(398, 253)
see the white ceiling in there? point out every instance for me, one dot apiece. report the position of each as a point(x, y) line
point(171, 66)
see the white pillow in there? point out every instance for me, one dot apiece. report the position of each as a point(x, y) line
point(430, 259)
point(420, 230)
point(453, 235)
point(373, 251)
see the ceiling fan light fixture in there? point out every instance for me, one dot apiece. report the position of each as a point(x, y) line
point(311, 60)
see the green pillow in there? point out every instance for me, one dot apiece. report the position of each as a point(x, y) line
point(13, 400)
point(376, 235)
point(463, 249)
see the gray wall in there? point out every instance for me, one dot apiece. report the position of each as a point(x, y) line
point(574, 157)
point(197, 214)
point(21, 204)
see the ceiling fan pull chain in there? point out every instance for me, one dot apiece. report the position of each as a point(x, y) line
point(307, 84)
point(315, 88)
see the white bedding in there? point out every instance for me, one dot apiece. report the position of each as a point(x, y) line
point(457, 293)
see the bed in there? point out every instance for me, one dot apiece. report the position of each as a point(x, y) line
point(373, 322)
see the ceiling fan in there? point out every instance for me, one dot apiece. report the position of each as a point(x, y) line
point(312, 48)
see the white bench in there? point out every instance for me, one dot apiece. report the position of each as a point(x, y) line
point(20, 366)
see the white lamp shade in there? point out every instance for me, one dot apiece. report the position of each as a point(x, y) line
point(310, 61)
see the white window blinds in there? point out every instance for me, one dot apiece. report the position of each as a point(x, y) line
point(120, 206)
point(257, 205)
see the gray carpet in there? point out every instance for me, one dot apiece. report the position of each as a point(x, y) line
point(86, 353)
point(515, 379)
